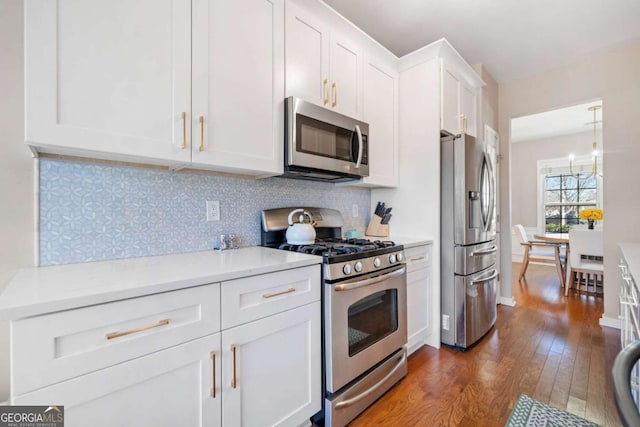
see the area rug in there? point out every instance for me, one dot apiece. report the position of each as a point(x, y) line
point(532, 413)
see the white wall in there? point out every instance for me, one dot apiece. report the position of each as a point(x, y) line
point(16, 174)
point(524, 160)
point(612, 76)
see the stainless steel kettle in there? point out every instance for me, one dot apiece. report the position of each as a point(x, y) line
point(301, 232)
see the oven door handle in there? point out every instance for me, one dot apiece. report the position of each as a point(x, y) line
point(356, 399)
point(369, 282)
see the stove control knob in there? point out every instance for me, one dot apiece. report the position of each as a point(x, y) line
point(376, 262)
point(358, 267)
point(346, 269)
point(392, 258)
point(400, 257)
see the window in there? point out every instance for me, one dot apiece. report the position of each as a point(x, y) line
point(564, 197)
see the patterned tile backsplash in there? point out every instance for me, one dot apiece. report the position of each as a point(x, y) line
point(92, 211)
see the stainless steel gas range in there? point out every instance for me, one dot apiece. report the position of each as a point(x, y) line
point(364, 302)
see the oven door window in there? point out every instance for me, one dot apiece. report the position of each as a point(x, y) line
point(371, 319)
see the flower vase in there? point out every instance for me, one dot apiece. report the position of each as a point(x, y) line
point(590, 222)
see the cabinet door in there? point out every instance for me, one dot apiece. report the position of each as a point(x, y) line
point(381, 112)
point(109, 79)
point(459, 104)
point(238, 85)
point(468, 109)
point(450, 99)
point(273, 378)
point(169, 388)
point(420, 300)
point(345, 76)
point(307, 56)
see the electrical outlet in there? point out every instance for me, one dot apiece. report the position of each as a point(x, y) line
point(354, 210)
point(213, 210)
point(445, 322)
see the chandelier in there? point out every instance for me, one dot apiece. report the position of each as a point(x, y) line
point(594, 154)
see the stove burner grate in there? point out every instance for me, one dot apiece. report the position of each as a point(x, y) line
point(335, 247)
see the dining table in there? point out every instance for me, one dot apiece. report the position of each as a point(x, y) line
point(562, 238)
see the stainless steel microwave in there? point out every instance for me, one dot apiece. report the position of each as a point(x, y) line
point(323, 145)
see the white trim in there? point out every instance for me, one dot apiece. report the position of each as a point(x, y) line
point(610, 322)
point(36, 211)
point(508, 301)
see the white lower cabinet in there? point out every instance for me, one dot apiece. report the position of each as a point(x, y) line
point(169, 388)
point(180, 358)
point(271, 369)
point(419, 296)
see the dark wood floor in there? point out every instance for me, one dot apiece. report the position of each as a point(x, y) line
point(547, 346)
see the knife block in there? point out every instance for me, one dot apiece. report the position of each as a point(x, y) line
point(376, 229)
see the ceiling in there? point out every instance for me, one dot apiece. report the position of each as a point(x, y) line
point(512, 38)
point(563, 121)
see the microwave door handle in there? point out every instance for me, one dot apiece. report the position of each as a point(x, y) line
point(359, 133)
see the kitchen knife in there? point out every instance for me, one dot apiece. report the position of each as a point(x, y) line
point(386, 219)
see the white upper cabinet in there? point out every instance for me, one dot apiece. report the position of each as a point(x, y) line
point(459, 103)
point(307, 41)
point(381, 112)
point(469, 109)
point(108, 78)
point(322, 66)
point(345, 73)
point(238, 85)
point(174, 82)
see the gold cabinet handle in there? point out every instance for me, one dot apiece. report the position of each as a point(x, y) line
point(326, 91)
point(275, 294)
point(201, 133)
point(213, 376)
point(416, 259)
point(334, 86)
point(184, 130)
point(234, 381)
point(464, 123)
point(112, 335)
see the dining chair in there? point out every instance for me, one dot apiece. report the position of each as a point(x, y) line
point(545, 252)
point(586, 272)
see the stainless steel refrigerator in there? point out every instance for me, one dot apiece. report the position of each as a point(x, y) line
point(468, 241)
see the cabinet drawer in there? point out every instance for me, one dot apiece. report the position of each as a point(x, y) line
point(251, 298)
point(55, 347)
point(418, 257)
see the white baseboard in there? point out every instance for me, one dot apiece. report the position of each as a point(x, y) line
point(610, 322)
point(423, 338)
point(508, 301)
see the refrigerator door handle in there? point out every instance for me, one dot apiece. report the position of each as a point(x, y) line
point(486, 192)
point(486, 279)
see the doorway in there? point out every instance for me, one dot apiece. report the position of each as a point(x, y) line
point(555, 172)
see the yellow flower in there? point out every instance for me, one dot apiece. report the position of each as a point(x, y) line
point(593, 214)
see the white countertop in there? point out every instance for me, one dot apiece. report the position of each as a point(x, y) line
point(410, 242)
point(40, 290)
point(631, 253)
